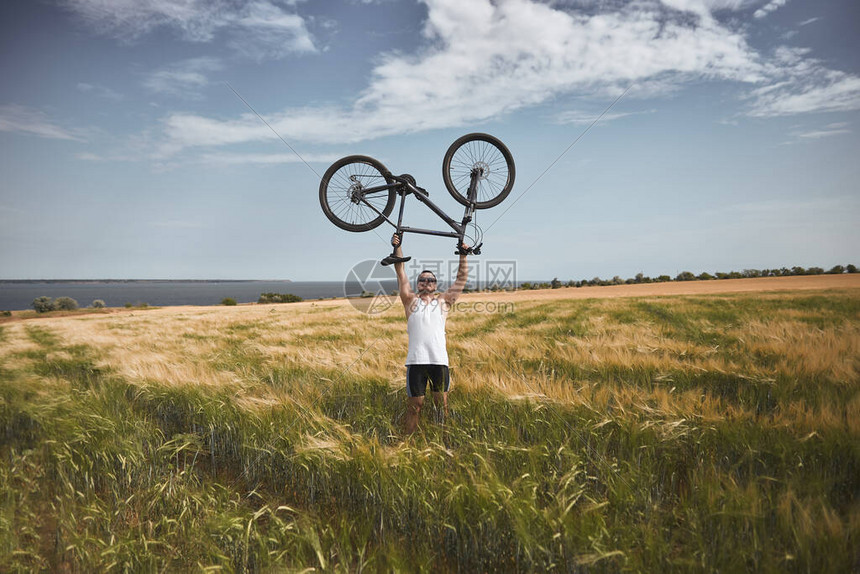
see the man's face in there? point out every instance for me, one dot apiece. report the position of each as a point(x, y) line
point(426, 283)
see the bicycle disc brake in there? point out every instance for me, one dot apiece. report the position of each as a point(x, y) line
point(481, 169)
point(355, 189)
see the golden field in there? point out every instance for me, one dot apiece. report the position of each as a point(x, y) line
point(705, 426)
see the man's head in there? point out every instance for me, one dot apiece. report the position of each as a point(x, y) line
point(426, 281)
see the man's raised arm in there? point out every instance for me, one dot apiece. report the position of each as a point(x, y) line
point(459, 284)
point(403, 286)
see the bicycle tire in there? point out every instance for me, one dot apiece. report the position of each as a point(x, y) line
point(487, 153)
point(337, 193)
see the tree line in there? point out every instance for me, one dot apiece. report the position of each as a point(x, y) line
point(689, 276)
point(45, 304)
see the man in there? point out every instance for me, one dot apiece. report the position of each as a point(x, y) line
point(426, 313)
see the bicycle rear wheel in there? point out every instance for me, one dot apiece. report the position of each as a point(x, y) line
point(491, 160)
point(343, 187)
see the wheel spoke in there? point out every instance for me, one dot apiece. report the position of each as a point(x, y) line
point(344, 195)
point(485, 153)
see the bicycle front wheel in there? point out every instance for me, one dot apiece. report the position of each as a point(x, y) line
point(348, 186)
point(489, 159)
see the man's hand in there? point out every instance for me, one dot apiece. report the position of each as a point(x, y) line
point(395, 240)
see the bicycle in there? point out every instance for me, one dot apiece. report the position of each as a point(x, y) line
point(358, 193)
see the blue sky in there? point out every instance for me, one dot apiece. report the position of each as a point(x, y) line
point(125, 154)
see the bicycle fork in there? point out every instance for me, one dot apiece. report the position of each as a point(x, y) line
point(475, 175)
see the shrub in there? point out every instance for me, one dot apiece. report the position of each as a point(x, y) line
point(278, 298)
point(99, 304)
point(65, 304)
point(836, 270)
point(228, 301)
point(5, 313)
point(43, 304)
point(128, 305)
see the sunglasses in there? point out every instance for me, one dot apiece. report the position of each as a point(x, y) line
point(426, 280)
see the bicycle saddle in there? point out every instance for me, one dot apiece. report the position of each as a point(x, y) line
point(393, 259)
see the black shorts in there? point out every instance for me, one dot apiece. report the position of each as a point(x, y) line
point(417, 377)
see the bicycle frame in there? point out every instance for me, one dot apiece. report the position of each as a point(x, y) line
point(405, 187)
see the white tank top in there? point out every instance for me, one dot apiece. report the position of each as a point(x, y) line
point(426, 329)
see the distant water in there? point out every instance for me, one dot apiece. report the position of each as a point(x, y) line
point(20, 295)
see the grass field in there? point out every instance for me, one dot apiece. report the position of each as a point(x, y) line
point(706, 432)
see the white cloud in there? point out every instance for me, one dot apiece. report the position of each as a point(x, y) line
point(584, 118)
point(112, 157)
point(705, 8)
point(803, 85)
point(483, 59)
point(100, 91)
point(221, 159)
point(264, 31)
point(89, 156)
point(822, 134)
point(836, 92)
point(182, 79)
point(695, 6)
point(829, 130)
point(24, 120)
point(260, 28)
point(810, 21)
point(771, 6)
